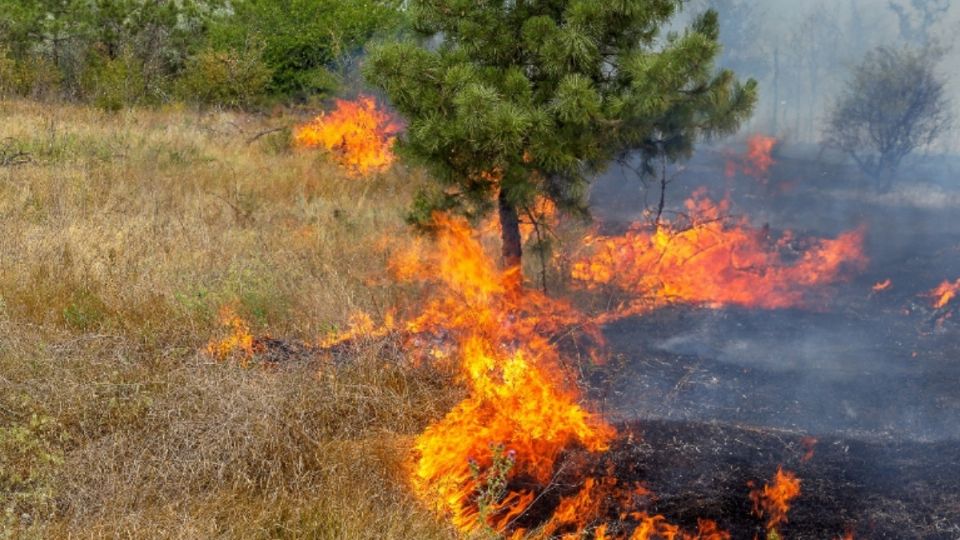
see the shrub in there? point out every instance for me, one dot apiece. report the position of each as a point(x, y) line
point(116, 83)
point(232, 77)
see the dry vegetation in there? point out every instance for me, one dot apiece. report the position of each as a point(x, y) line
point(122, 237)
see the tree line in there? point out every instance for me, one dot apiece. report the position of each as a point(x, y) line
point(236, 53)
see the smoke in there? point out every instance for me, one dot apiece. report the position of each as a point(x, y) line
point(801, 52)
point(868, 363)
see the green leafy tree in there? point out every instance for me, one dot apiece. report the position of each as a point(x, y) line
point(511, 100)
point(894, 104)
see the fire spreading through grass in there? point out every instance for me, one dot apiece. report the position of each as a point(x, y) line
point(491, 465)
point(773, 500)
point(715, 261)
point(357, 133)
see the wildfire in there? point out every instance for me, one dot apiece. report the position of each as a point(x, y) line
point(773, 501)
point(716, 262)
point(944, 293)
point(357, 133)
point(239, 344)
point(518, 397)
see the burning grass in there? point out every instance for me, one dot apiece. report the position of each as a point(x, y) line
point(122, 239)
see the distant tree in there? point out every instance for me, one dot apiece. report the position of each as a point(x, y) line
point(511, 100)
point(894, 104)
point(917, 18)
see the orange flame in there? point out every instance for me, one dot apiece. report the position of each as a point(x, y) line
point(810, 445)
point(882, 285)
point(715, 262)
point(357, 133)
point(774, 499)
point(489, 460)
point(517, 396)
point(944, 293)
point(240, 343)
point(759, 159)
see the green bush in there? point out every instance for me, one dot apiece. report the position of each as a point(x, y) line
point(232, 77)
point(32, 76)
point(113, 84)
point(306, 42)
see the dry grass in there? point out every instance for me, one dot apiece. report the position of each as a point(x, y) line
point(121, 239)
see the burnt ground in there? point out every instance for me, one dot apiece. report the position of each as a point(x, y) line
point(722, 397)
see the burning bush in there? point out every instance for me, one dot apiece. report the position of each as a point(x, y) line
point(357, 133)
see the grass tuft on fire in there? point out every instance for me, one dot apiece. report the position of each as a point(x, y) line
point(123, 236)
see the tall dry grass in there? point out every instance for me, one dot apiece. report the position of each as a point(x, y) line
point(121, 238)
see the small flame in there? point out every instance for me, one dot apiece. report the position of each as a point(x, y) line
point(756, 162)
point(239, 344)
point(357, 133)
point(882, 285)
point(773, 501)
point(809, 445)
point(944, 293)
point(759, 157)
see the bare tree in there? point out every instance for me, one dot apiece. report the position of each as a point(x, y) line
point(893, 104)
point(918, 17)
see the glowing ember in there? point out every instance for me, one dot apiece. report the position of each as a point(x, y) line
point(358, 134)
point(882, 286)
point(810, 446)
point(239, 344)
point(773, 501)
point(944, 293)
point(715, 262)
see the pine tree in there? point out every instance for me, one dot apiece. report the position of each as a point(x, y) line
point(510, 100)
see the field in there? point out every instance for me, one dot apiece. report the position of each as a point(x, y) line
point(123, 236)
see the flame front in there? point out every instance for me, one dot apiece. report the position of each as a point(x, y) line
point(357, 133)
point(520, 398)
point(715, 262)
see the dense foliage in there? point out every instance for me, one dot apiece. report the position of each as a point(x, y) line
point(121, 52)
point(508, 101)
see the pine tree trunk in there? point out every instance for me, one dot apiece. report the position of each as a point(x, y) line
point(509, 232)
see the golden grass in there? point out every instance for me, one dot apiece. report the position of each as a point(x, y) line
point(119, 243)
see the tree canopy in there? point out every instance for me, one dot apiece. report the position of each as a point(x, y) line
point(511, 100)
point(893, 104)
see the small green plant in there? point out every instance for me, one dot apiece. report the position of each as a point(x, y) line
point(85, 311)
point(29, 455)
point(492, 482)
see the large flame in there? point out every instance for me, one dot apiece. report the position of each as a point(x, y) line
point(520, 397)
point(715, 261)
point(357, 133)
